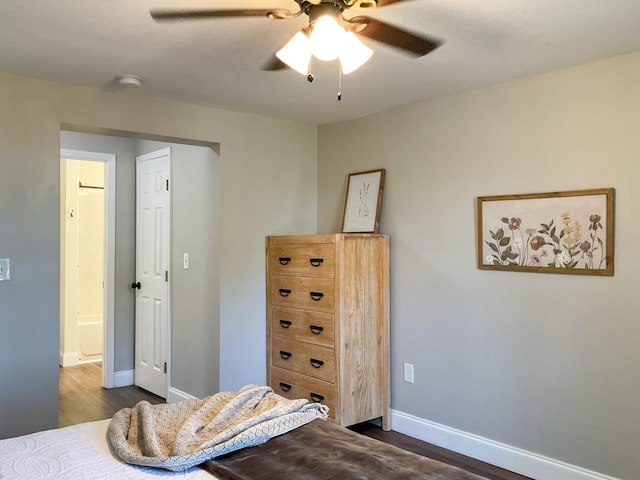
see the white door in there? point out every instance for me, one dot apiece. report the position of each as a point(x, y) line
point(152, 270)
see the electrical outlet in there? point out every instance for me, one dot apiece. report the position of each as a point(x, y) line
point(408, 372)
point(5, 273)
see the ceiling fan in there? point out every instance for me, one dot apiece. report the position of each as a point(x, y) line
point(329, 35)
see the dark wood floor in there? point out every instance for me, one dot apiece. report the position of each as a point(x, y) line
point(82, 399)
point(425, 449)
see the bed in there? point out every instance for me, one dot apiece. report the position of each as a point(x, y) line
point(215, 439)
point(78, 452)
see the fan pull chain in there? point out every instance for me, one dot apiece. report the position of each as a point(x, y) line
point(340, 81)
point(309, 74)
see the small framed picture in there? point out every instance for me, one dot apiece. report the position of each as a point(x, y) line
point(363, 202)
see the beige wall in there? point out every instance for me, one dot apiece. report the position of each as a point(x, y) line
point(544, 363)
point(268, 186)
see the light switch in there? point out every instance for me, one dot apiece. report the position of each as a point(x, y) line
point(5, 270)
point(185, 260)
point(408, 372)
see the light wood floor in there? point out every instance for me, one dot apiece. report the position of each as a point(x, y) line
point(82, 399)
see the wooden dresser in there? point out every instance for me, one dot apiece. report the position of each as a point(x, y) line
point(328, 322)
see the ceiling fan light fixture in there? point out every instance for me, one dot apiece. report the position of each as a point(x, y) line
point(297, 53)
point(354, 53)
point(327, 38)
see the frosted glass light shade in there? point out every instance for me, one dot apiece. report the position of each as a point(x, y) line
point(297, 53)
point(354, 53)
point(328, 41)
point(326, 38)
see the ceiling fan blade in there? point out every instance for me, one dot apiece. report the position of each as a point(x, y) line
point(411, 43)
point(162, 15)
point(369, 4)
point(384, 3)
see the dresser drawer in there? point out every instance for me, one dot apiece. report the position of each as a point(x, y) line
point(311, 360)
point(307, 260)
point(292, 385)
point(303, 325)
point(302, 292)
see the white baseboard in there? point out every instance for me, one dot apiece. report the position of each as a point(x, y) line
point(505, 456)
point(91, 360)
point(126, 378)
point(176, 395)
point(123, 378)
point(69, 359)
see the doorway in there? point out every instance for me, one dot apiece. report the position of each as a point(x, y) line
point(87, 259)
point(195, 305)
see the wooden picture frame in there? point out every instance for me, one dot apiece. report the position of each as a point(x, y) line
point(363, 201)
point(557, 232)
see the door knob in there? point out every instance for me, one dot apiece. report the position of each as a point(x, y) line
point(135, 285)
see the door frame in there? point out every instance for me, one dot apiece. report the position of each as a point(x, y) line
point(109, 160)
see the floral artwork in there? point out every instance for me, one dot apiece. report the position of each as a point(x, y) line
point(565, 232)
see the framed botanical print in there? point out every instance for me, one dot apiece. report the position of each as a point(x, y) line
point(363, 202)
point(557, 232)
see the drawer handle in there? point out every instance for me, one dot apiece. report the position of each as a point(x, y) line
point(285, 355)
point(285, 386)
point(284, 292)
point(284, 260)
point(316, 295)
point(315, 363)
point(316, 397)
point(285, 323)
point(316, 262)
point(315, 329)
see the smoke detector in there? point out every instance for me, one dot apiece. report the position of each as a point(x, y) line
point(129, 80)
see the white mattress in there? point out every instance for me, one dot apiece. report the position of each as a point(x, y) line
point(79, 452)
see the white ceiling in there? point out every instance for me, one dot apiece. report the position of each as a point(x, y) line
point(218, 62)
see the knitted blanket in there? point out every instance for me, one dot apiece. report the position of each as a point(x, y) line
point(180, 435)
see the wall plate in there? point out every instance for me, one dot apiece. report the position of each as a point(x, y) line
point(5, 271)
